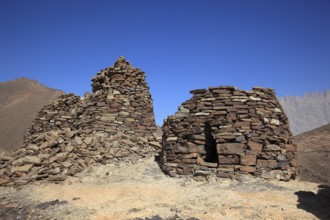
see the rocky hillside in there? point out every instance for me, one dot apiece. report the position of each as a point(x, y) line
point(314, 155)
point(307, 112)
point(20, 100)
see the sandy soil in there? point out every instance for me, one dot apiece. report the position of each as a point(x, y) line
point(142, 191)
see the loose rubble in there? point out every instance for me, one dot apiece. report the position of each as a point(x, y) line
point(226, 132)
point(115, 123)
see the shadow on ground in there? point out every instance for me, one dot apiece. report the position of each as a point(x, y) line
point(317, 204)
point(14, 210)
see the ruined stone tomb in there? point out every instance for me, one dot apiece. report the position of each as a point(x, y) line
point(227, 132)
point(113, 124)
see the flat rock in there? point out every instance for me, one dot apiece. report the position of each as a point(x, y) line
point(78, 140)
point(5, 158)
point(4, 179)
point(88, 140)
point(31, 159)
point(231, 148)
point(272, 147)
point(248, 159)
point(155, 144)
point(24, 168)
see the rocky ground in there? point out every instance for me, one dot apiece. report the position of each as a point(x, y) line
point(141, 191)
point(314, 155)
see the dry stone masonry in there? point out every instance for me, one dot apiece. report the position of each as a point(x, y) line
point(226, 132)
point(115, 123)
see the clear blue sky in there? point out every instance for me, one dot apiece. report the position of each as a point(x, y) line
point(180, 44)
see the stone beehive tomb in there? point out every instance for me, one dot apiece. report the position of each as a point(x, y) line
point(114, 123)
point(226, 132)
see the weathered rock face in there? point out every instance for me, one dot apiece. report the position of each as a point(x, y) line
point(115, 123)
point(226, 132)
point(307, 112)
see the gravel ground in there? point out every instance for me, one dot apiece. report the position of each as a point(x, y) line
point(142, 191)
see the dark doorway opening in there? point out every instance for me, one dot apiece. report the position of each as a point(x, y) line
point(210, 145)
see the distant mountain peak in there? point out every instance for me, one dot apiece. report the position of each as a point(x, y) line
point(307, 112)
point(20, 100)
point(25, 82)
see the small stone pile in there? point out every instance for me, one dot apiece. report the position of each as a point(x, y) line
point(113, 124)
point(226, 132)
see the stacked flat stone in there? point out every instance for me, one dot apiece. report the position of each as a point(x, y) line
point(113, 124)
point(125, 91)
point(62, 113)
point(227, 132)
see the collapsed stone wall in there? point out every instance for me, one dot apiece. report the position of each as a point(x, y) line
point(227, 132)
point(114, 123)
point(59, 114)
point(120, 100)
